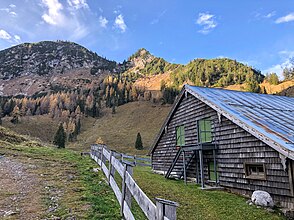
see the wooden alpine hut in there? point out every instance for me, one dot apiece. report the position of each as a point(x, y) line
point(241, 141)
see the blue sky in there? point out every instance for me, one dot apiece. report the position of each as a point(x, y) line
point(258, 33)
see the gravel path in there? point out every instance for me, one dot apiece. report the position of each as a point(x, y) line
point(19, 190)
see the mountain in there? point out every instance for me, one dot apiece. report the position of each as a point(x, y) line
point(30, 68)
point(47, 58)
point(33, 68)
point(149, 70)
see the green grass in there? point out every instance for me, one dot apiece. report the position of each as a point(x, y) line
point(86, 196)
point(196, 203)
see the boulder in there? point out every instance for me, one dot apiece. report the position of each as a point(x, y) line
point(262, 198)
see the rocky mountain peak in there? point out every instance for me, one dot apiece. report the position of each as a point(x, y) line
point(49, 57)
point(140, 58)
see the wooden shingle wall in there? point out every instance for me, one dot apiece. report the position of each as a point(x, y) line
point(235, 148)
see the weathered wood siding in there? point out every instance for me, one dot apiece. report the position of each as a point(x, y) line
point(235, 147)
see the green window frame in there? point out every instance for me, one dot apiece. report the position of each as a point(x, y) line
point(180, 135)
point(212, 176)
point(204, 130)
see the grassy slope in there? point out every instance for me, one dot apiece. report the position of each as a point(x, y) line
point(196, 203)
point(65, 175)
point(42, 127)
point(119, 130)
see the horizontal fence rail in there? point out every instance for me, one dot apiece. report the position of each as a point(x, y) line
point(112, 162)
point(133, 160)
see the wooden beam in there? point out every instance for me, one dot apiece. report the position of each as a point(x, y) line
point(201, 168)
point(166, 209)
point(184, 167)
point(214, 165)
point(197, 167)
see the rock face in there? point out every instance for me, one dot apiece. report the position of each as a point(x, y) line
point(49, 57)
point(262, 198)
point(32, 68)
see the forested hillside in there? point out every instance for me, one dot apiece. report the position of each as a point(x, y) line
point(220, 72)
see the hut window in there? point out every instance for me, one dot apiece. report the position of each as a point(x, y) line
point(212, 175)
point(255, 171)
point(204, 128)
point(180, 135)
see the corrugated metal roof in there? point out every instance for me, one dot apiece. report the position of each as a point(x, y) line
point(268, 117)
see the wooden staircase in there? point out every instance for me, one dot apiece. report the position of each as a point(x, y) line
point(180, 164)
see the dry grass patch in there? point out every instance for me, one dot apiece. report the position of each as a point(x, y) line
point(119, 131)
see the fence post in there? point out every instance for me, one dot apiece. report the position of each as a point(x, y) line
point(128, 197)
point(101, 155)
point(135, 161)
point(125, 192)
point(110, 167)
point(166, 208)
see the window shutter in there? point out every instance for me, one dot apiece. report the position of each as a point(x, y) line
point(182, 135)
point(205, 133)
point(178, 136)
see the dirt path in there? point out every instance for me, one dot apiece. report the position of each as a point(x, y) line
point(19, 190)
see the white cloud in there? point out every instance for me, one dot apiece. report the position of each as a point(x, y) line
point(4, 35)
point(286, 57)
point(117, 10)
point(207, 22)
point(8, 37)
point(9, 11)
point(5, 9)
point(13, 14)
point(287, 53)
point(103, 21)
point(80, 31)
point(77, 4)
point(54, 15)
point(12, 6)
point(271, 14)
point(120, 23)
point(157, 19)
point(284, 19)
point(17, 38)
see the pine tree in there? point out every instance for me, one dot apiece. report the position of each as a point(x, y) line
point(60, 137)
point(139, 144)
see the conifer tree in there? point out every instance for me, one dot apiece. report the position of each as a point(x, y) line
point(139, 144)
point(15, 115)
point(60, 136)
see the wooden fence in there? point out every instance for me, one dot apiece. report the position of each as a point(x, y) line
point(162, 210)
point(132, 160)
